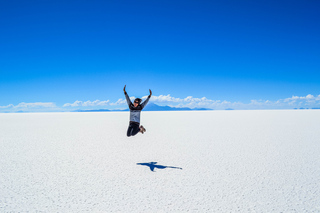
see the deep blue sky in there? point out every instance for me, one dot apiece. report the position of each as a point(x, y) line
point(63, 51)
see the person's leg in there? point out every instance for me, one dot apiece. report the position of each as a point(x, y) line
point(129, 131)
point(136, 129)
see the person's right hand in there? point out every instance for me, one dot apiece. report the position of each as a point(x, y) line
point(124, 89)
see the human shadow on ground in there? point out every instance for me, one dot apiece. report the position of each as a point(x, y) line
point(152, 166)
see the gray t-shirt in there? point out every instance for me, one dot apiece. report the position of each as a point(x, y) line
point(135, 111)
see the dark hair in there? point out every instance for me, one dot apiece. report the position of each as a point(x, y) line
point(137, 100)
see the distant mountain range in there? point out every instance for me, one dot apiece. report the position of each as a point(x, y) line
point(149, 107)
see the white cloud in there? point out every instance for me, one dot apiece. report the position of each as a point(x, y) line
point(163, 99)
point(7, 107)
point(308, 101)
point(75, 104)
point(35, 105)
point(96, 103)
point(119, 102)
point(32, 107)
point(87, 103)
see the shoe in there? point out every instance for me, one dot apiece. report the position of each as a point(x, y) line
point(142, 129)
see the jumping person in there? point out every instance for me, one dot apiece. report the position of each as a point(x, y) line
point(135, 110)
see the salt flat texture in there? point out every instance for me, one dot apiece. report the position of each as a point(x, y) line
point(232, 161)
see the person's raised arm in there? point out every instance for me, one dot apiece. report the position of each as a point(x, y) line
point(147, 100)
point(127, 97)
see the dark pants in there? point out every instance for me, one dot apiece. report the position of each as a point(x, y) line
point(133, 129)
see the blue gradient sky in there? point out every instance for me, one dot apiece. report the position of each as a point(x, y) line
point(63, 51)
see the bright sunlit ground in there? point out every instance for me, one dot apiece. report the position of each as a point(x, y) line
point(223, 161)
